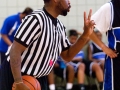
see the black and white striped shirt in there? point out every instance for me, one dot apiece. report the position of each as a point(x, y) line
point(45, 39)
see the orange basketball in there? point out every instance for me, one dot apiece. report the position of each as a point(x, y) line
point(31, 82)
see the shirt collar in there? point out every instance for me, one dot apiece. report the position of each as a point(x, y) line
point(54, 20)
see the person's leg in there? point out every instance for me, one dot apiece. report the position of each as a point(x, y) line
point(94, 70)
point(98, 73)
point(6, 78)
point(102, 64)
point(56, 71)
point(70, 77)
point(81, 76)
point(51, 81)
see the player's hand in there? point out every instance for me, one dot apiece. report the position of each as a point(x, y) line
point(111, 53)
point(88, 24)
point(21, 86)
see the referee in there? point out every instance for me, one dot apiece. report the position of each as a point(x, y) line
point(40, 39)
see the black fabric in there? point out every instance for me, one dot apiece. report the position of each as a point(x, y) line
point(6, 78)
point(95, 49)
point(116, 8)
point(54, 20)
point(43, 82)
point(116, 72)
point(118, 46)
point(2, 56)
point(101, 85)
point(87, 68)
point(81, 87)
point(116, 61)
point(59, 72)
point(64, 49)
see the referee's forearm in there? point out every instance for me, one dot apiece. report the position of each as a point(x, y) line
point(74, 49)
point(15, 63)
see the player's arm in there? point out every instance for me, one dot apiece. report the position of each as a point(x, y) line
point(15, 63)
point(5, 30)
point(6, 39)
point(69, 54)
point(102, 19)
point(107, 50)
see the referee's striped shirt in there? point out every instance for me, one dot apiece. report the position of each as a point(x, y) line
point(44, 38)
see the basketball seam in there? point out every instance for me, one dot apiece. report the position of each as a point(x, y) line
point(29, 83)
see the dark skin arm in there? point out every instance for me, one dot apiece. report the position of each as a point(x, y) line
point(69, 54)
point(15, 63)
point(107, 50)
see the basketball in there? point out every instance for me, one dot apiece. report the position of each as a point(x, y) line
point(31, 82)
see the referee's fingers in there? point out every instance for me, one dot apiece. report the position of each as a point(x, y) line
point(85, 17)
point(89, 15)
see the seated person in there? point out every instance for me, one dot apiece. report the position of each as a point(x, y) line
point(82, 67)
point(95, 53)
point(62, 71)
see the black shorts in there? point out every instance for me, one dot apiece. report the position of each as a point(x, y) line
point(2, 57)
point(6, 78)
point(60, 72)
point(112, 73)
point(88, 68)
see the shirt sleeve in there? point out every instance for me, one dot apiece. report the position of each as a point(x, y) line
point(28, 31)
point(102, 18)
point(66, 44)
point(5, 28)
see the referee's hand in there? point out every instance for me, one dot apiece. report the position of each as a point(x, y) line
point(88, 24)
point(21, 86)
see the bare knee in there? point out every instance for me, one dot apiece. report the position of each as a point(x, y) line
point(70, 68)
point(96, 67)
point(81, 67)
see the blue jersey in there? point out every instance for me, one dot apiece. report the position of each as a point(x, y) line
point(61, 62)
point(97, 52)
point(9, 28)
point(79, 55)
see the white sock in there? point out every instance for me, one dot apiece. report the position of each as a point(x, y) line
point(69, 86)
point(52, 86)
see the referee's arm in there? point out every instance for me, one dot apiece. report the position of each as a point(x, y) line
point(15, 60)
point(69, 54)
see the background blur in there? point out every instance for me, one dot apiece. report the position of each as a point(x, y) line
point(74, 18)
